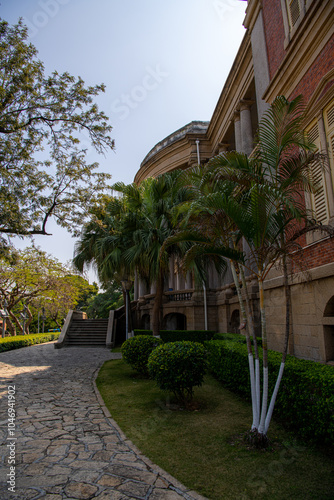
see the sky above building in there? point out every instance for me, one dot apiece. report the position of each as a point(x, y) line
point(163, 63)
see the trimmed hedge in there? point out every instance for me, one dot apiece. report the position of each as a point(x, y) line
point(236, 337)
point(15, 342)
point(180, 335)
point(136, 350)
point(305, 400)
point(142, 332)
point(178, 367)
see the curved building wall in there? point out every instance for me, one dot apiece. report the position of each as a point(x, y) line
point(278, 56)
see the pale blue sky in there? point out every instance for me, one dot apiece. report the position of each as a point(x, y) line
point(164, 64)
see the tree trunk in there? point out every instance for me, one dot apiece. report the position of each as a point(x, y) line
point(17, 323)
point(249, 347)
point(10, 327)
point(286, 343)
point(250, 321)
point(265, 358)
point(157, 304)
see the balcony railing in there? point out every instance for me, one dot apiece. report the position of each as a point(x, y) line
point(179, 296)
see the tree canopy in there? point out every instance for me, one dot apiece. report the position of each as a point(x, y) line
point(34, 280)
point(44, 171)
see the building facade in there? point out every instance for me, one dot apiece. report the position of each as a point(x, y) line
point(288, 49)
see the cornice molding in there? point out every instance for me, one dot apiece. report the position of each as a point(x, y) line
point(302, 51)
point(252, 12)
point(320, 97)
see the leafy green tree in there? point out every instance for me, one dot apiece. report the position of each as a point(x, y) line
point(100, 305)
point(31, 278)
point(45, 113)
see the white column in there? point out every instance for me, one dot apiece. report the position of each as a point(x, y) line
point(246, 127)
point(189, 282)
point(237, 131)
point(136, 286)
point(171, 284)
point(142, 290)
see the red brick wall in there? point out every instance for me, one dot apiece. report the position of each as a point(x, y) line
point(319, 68)
point(315, 255)
point(274, 33)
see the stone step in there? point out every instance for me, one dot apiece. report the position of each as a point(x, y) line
point(87, 332)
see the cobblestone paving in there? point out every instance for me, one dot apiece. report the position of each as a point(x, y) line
point(64, 444)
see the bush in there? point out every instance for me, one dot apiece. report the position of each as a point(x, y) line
point(305, 400)
point(190, 335)
point(136, 350)
point(179, 335)
point(235, 337)
point(143, 332)
point(17, 341)
point(178, 367)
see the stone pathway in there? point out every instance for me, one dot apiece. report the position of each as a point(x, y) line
point(62, 443)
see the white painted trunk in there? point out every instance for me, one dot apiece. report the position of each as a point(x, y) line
point(273, 398)
point(257, 389)
point(264, 400)
point(253, 391)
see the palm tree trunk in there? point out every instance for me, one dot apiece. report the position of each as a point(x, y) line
point(249, 347)
point(286, 343)
point(157, 304)
point(250, 321)
point(265, 358)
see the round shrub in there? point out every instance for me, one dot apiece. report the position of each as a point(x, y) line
point(178, 367)
point(136, 350)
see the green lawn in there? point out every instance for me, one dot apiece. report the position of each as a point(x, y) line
point(204, 449)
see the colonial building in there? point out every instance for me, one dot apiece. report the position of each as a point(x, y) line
point(288, 49)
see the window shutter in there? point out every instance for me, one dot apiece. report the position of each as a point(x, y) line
point(318, 198)
point(294, 11)
point(329, 125)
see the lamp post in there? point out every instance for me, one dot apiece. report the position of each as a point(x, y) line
point(24, 316)
point(126, 286)
point(43, 318)
point(4, 315)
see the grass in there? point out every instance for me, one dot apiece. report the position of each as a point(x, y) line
point(204, 449)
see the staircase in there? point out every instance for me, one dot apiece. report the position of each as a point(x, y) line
point(87, 333)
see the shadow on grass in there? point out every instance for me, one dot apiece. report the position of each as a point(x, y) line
point(204, 449)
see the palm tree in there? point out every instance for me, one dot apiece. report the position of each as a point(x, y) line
point(103, 244)
point(264, 204)
point(150, 221)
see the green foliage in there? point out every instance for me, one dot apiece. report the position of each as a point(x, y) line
point(10, 343)
point(235, 337)
point(180, 335)
point(136, 351)
point(34, 279)
point(305, 401)
point(191, 335)
point(51, 113)
point(143, 332)
point(100, 304)
point(178, 367)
